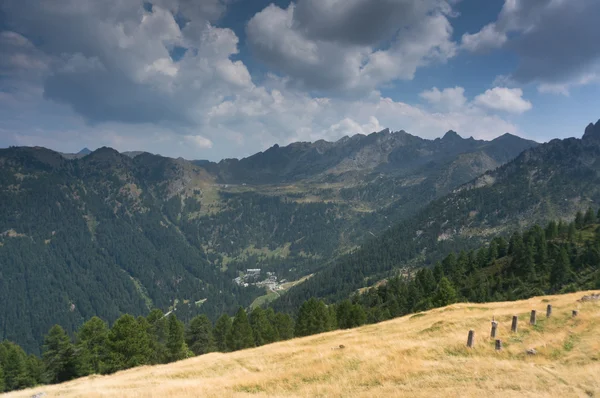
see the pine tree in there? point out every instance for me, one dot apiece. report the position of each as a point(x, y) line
point(579, 220)
point(92, 347)
point(552, 230)
point(14, 365)
point(2, 385)
point(445, 293)
point(176, 347)
point(129, 343)
point(199, 335)
point(314, 317)
point(571, 234)
point(561, 269)
point(590, 217)
point(59, 356)
point(262, 330)
point(241, 332)
point(344, 314)
point(284, 324)
point(222, 330)
point(35, 369)
point(158, 331)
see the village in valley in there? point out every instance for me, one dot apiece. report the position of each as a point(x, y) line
point(254, 277)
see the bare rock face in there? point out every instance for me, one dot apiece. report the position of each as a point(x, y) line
point(592, 131)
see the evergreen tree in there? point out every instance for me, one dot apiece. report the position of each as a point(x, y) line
point(284, 324)
point(59, 356)
point(2, 385)
point(343, 311)
point(350, 315)
point(222, 330)
point(14, 365)
point(262, 329)
point(590, 217)
point(35, 369)
point(199, 335)
point(92, 347)
point(240, 336)
point(159, 332)
point(129, 343)
point(571, 234)
point(579, 220)
point(445, 294)
point(314, 317)
point(552, 230)
point(176, 347)
point(561, 269)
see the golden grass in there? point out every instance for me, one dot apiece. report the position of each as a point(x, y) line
point(422, 355)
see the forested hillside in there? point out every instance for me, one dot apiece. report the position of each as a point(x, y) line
point(103, 233)
point(553, 180)
point(557, 258)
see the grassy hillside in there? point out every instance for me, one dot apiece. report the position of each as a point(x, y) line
point(417, 355)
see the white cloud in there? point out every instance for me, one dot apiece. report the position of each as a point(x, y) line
point(106, 76)
point(331, 45)
point(198, 141)
point(564, 88)
point(447, 99)
point(504, 99)
point(553, 40)
point(486, 39)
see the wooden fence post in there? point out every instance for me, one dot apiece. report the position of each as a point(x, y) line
point(532, 319)
point(548, 310)
point(513, 327)
point(575, 313)
point(471, 339)
point(498, 345)
point(494, 329)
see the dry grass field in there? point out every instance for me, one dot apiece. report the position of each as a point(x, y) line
point(422, 355)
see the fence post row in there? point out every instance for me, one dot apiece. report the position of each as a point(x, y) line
point(532, 319)
point(548, 310)
point(514, 326)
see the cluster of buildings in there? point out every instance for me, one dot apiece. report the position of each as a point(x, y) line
point(253, 276)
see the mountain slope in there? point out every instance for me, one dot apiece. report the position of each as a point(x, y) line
point(421, 355)
point(106, 233)
point(551, 181)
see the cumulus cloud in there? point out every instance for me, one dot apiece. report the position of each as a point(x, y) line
point(555, 40)
point(166, 78)
point(451, 98)
point(111, 61)
point(351, 46)
point(504, 99)
point(486, 39)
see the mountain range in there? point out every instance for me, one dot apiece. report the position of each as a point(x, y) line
point(105, 233)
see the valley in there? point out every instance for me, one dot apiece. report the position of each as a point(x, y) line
point(118, 233)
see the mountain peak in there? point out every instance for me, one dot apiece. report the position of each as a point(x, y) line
point(592, 131)
point(84, 151)
point(451, 135)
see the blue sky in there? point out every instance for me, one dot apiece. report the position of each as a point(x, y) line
point(226, 78)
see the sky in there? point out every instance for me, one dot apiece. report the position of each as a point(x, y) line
point(214, 79)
